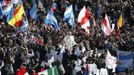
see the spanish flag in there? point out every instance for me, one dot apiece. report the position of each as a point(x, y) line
point(120, 21)
point(16, 16)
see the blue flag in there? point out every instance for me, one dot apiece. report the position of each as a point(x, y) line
point(69, 15)
point(50, 19)
point(125, 61)
point(1, 15)
point(7, 9)
point(33, 11)
point(10, 15)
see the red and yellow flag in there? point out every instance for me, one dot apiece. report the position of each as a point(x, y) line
point(120, 21)
point(17, 16)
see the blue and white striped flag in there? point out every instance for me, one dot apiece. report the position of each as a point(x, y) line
point(7, 9)
point(125, 61)
point(50, 19)
point(69, 15)
point(33, 11)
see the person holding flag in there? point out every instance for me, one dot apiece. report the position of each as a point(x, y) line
point(69, 16)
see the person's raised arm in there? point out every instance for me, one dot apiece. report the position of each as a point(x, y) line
point(1, 64)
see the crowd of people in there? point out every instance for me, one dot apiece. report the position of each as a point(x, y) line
point(70, 48)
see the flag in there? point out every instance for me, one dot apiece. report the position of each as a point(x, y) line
point(50, 19)
point(6, 9)
point(69, 15)
point(10, 15)
point(50, 71)
point(83, 19)
point(17, 16)
point(15, 1)
point(125, 60)
point(106, 26)
point(54, 8)
point(110, 61)
point(1, 15)
point(5, 2)
point(33, 11)
point(120, 21)
point(22, 71)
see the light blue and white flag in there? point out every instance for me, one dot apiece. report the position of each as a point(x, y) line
point(7, 9)
point(69, 15)
point(15, 1)
point(51, 20)
point(33, 11)
point(125, 60)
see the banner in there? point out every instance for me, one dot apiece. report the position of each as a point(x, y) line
point(125, 61)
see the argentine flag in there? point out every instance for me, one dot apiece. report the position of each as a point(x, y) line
point(33, 11)
point(69, 15)
point(6, 9)
point(51, 20)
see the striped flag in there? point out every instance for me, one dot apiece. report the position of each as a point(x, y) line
point(33, 11)
point(106, 26)
point(16, 16)
point(50, 19)
point(125, 60)
point(69, 15)
point(83, 19)
point(6, 9)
